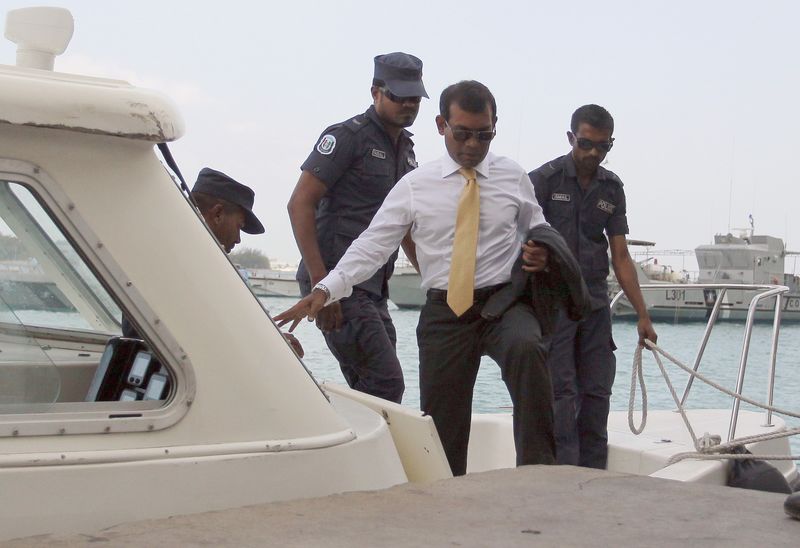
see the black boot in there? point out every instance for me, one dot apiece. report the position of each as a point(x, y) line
point(792, 505)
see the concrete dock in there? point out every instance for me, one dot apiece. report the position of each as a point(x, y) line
point(530, 506)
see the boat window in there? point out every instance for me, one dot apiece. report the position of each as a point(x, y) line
point(43, 280)
point(61, 346)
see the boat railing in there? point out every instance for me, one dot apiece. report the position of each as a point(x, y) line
point(761, 292)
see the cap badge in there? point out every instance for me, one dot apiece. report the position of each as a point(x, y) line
point(326, 144)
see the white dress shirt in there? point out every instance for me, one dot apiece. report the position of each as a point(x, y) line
point(426, 201)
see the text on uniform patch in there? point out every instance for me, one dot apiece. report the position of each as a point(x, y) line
point(605, 206)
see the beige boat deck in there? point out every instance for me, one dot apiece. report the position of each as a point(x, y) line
point(530, 506)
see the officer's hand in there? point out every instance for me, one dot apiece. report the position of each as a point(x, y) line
point(646, 331)
point(534, 257)
point(294, 343)
point(330, 318)
point(308, 307)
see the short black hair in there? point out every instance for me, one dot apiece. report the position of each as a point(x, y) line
point(594, 115)
point(469, 95)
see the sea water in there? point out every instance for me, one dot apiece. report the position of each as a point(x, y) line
point(720, 363)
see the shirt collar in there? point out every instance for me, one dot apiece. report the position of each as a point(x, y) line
point(450, 166)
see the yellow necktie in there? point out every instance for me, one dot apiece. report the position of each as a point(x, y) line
point(461, 284)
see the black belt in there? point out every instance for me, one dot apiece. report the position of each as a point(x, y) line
point(478, 295)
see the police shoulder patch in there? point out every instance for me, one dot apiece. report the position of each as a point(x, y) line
point(561, 197)
point(326, 144)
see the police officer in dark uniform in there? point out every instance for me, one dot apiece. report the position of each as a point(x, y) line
point(583, 200)
point(343, 183)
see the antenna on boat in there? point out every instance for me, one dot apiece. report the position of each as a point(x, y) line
point(40, 34)
point(730, 203)
point(730, 185)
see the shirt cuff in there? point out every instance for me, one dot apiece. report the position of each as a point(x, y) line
point(337, 285)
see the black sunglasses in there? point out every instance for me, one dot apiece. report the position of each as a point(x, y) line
point(588, 144)
point(397, 99)
point(462, 135)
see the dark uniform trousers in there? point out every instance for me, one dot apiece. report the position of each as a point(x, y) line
point(365, 347)
point(581, 357)
point(450, 349)
point(582, 367)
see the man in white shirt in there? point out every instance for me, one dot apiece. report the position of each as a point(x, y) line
point(451, 343)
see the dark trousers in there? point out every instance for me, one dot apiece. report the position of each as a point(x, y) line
point(365, 346)
point(582, 367)
point(450, 350)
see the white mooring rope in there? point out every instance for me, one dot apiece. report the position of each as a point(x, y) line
point(706, 448)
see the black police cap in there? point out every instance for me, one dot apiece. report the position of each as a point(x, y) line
point(217, 184)
point(402, 73)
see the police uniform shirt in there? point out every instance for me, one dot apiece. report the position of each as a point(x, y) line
point(582, 216)
point(359, 164)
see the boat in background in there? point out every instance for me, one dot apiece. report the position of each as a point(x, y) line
point(30, 287)
point(746, 259)
point(273, 283)
point(404, 286)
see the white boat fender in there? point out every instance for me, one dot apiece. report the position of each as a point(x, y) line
point(755, 474)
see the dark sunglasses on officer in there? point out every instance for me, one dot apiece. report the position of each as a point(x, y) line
point(397, 99)
point(587, 144)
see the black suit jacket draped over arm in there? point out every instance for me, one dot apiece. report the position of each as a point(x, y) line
point(559, 285)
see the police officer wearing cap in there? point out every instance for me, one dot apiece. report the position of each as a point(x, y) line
point(343, 182)
point(227, 208)
point(583, 200)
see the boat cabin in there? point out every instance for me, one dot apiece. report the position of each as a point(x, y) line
point(209, 408)
point(750, 259)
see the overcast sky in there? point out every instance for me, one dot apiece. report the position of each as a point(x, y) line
point(704, 94)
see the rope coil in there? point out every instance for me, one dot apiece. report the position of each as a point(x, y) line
point(706, 447)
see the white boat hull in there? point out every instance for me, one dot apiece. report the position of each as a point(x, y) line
point(680, 305)
point(647, 454)
point(405, 290)
point(119, 486)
